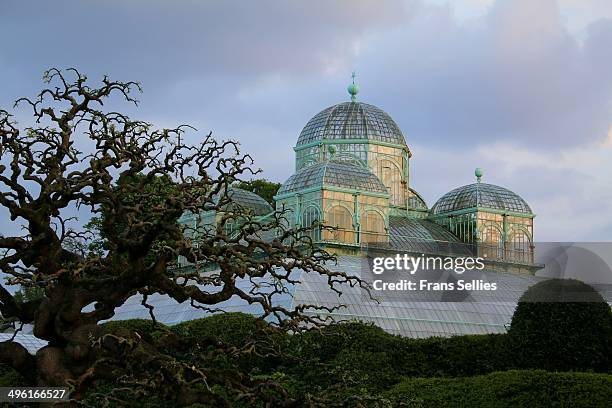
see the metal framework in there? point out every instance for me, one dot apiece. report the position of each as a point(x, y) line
point(362, 135)
point(353, 174)
point(499, 221)
point(347, 197)
point(354, 150)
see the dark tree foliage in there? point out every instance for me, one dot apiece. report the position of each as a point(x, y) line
point(136, 181)
point(562, 324)
point(264, 188)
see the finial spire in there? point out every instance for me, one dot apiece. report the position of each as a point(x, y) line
point(478, 174)
point(353, 89)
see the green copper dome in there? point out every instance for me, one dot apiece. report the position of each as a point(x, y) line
point(351, 120)
point(481, 195)
point(335, 174)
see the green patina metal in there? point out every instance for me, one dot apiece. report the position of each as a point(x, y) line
point(481, 209)
point(353, 89)
point(347, 141)
point(327, 187)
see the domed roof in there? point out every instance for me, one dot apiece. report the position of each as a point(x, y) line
point(246, 200)
point(481, 195)
point(351, 120)
point(415, 200)
point(337, 174)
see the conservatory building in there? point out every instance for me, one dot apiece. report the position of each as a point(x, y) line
point(352, 173)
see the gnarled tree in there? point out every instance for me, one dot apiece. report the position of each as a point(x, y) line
point(79, 158)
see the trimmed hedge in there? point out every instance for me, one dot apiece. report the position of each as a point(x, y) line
point(361, 363)
point(365, 355)
point(506, 389)
point(142, 326)
point(357, 355)
point(235, 329)
point(562, 333)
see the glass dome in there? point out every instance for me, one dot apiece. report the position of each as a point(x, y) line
point(335, 174)
point(351, 120)
point(481, 195)
point(248, 200)
point(415, 200)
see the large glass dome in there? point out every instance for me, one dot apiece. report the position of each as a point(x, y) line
point(351, 120)
point(335, 174)
point(481, 195)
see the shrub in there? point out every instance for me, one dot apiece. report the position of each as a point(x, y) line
point(506, 389)
point(145, 328)
point(455, 356)
point(327, 342)
point(362, 355)
point(259, 341)
point(142, 326)
point(235, 329)
point(550, 332)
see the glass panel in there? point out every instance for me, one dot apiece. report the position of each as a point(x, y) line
point(481, 195)
point(351, 120)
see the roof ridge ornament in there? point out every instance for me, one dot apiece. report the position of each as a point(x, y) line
point(478, 173)
point(353, 89)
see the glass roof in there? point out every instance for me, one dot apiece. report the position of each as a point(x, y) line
point(419, 235)
point(484, 312)
point(481, 195)
point(352, 120)
point(29, 341)
point(415, 200)
point(337, 174)
point(248, 200)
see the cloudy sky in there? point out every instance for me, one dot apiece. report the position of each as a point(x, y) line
point(520, 88)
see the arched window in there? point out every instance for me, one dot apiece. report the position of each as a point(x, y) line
point(311, 219)
point(373, 227)
point(340, 218)
point(519, 247)
point(491, 243)
point(391, 177)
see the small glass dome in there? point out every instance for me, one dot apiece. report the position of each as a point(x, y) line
point(247, 200)
point(352, 120)
point(415, 200)
point(335, 174)
point(481, 195)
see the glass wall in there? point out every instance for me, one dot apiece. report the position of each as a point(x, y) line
point(499, 237)
point(374, 229)
point(341, 219)
point(390, 165)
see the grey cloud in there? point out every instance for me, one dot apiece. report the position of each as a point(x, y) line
point(514, 74)
point(257, 71)
point(165, 40)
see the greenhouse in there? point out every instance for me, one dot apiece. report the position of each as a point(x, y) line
point(352, 173)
